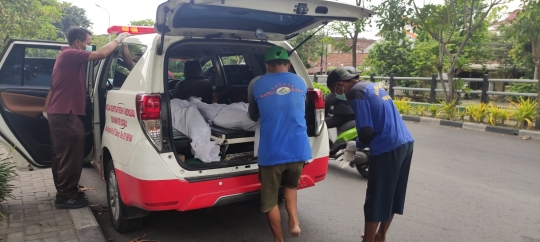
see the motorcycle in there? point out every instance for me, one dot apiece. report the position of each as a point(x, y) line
point(347, 132)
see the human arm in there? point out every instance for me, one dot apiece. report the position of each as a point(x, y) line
point(128, 60)
point(364, 122)
point(107, 49)
point(47, 102)
point(329, 101)
point(253, 108)
point(46, 106)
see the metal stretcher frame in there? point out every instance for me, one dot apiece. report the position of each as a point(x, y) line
point(222, 140)
point(224, 143)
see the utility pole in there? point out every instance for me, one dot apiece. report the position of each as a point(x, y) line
point(326, 53)
point(322, 55)
point(109, 19)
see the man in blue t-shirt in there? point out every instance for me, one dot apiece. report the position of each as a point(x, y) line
point(278, 98)
point(381, 128)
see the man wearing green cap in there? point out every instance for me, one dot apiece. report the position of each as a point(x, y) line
point(278, 99)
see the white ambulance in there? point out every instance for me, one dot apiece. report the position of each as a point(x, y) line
point(205, 48)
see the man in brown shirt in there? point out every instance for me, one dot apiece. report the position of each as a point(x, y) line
point(65, 106)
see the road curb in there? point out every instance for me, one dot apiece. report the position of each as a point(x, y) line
point(455, 124)
point(433, 121)
point(502, 130)
point(473, 126)
point(410, 118)
point(86, 225)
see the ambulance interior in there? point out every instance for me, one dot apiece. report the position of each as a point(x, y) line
point(213, 78)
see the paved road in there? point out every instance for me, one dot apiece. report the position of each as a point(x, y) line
point(464, 186)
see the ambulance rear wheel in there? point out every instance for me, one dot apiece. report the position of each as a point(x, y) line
point(117, 207)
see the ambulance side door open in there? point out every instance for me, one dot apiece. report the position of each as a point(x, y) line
point(25, 77)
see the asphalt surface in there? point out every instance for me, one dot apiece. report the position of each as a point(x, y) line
point(464, 186)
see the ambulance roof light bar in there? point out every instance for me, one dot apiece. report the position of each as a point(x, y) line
point(133, 30)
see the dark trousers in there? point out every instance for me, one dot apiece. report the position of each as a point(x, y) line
point(387, 183)
point(67, 153)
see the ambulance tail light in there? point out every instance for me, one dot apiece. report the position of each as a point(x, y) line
point(317, 97)
point(149, 115)
point(133, 30)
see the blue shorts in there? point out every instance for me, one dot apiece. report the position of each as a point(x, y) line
point(387, 183)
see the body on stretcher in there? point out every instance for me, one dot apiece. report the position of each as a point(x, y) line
point(224, 137)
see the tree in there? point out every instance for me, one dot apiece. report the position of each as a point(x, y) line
point(521, 55)
point(72, 16)
point(310, 51)
point(350, 30)
point(27, 19)
point(526, 27)
point(451, 25)
point(514, 60)
point(100, 40)
point(424, 57)
point(388, 57)
point(144, 22)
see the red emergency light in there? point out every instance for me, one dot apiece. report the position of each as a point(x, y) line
point(133, 30)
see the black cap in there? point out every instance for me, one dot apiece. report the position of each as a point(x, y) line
point(340, 74)
point(351, 70)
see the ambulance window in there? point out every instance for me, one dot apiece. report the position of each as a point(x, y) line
point(176, 68)
point(233, 60)
point(29, 65)
point(236, 71)
point(206, 64)
point(125, 60)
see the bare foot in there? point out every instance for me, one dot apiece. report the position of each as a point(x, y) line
point(294, 231)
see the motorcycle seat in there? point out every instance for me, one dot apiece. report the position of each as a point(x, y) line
point(348, 125)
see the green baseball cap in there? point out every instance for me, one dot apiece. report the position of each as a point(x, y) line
point(276, 53)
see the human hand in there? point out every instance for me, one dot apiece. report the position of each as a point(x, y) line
point(121, 37)
point(346, 156)
point(351, 146)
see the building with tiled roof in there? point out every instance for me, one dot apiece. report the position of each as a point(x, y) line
point(336, 58)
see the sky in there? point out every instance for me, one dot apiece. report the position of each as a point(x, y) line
point(123, 11)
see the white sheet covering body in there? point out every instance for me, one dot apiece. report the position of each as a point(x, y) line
point(208, 111)
point(187, 119)
point(235, 116)
point(232, 116)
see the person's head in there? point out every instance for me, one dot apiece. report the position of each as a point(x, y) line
point(331, 84)
point(277, 60)
point(342, 81)
point(79, 38)
point(351, 70)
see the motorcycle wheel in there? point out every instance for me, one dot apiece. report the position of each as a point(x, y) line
point(362, 164)
point(363, 169)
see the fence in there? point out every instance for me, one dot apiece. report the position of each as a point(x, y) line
point(435, 80)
